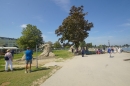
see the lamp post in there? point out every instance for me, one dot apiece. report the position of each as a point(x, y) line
point(36, 58)
point(109, 43)
point(33, 34)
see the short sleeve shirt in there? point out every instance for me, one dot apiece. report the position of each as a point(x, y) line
point(28, 54)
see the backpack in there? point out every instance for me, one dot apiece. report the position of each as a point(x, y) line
point(6, 58)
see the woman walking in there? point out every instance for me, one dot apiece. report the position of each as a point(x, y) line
point(8, 61)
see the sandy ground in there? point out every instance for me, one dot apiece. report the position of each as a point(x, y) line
point(92, 70)
point(41, 62)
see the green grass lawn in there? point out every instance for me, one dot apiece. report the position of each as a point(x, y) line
point(63, 54)
point(2, 62)
point(19, 78)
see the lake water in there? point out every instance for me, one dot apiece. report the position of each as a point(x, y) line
point(126, 49)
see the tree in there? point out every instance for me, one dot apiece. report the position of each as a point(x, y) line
point(57, 44)
point(89, 45)
point(5, 45)
point(15, 46)
point(31, 36)
point(83, 44)
point(100, 46)
point(74, 28)
point(67, 47)
point(126, 45)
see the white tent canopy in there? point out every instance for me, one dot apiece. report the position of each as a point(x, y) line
point(8, 48)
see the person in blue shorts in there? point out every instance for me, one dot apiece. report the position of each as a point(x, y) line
point(109, 51)
point(28, 58)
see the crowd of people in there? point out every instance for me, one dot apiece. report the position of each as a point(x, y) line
point(28, 56)
point(100, 51)
point(113, 50)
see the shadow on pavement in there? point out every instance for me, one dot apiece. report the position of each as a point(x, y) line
point(112, 57)
point(85, 56)
point(126, 59)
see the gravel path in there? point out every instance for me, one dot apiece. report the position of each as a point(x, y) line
point(93, 70)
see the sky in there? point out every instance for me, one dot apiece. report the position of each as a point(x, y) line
point(111, 18)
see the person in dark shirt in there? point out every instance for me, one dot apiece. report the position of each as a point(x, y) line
point(82, 52)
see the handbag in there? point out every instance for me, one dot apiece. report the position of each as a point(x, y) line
point(6, 58)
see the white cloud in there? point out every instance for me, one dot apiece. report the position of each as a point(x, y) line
point(110, 36)
point(64, 4)
point(12, 22)
point(44, 37)
point(120, 30)
point(126, 24)
point(99, 40)
point(23, 26)
point(128, 19)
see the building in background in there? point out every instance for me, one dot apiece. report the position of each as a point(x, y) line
point(7, 42)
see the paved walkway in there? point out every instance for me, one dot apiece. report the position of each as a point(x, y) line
point(93, 70)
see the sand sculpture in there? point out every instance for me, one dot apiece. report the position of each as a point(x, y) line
point(46, 52)
point(72, 49)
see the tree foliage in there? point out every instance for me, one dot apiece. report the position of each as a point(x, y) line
point(89, 45)
point(57, 44)
point(83, 44)
point(31, 36)
point(126, 45)
point(74, 28)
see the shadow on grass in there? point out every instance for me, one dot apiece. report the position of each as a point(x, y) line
point(126, 59)
point(17, 69)
point(2, 70)
point(39, 69)
point(33, 69)
point(14, 69)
